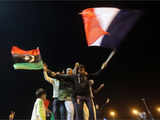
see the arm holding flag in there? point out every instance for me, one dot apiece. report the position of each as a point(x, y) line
point(64, 77)
point(47, 78)
point(58, 76)
point(54, 75)
point(75, 69)
point(94, 75)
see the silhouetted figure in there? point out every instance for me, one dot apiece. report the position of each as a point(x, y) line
point(11, 115)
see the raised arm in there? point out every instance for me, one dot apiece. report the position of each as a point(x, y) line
point(99, 88)
point(104, 65)
point(47, 78)
point(96, 74)
point(56, 75)
point(75, 69)
point(64, 77)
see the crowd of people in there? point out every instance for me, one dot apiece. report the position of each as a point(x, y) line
point(72, 95)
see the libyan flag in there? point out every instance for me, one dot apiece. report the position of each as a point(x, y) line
point(27, 60)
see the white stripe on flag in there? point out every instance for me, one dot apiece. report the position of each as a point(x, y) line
point(105, 17)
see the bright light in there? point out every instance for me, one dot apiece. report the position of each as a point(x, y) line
point(158, 109)
point(135, 112)
point(112, 113)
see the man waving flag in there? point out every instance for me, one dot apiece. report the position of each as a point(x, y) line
point(108, 26)
point(26, 60)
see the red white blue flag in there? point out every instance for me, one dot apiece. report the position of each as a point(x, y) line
point(107, 26)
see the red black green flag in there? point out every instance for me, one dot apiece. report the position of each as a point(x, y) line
point(26, 60)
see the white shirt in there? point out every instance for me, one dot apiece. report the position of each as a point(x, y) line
point(39, 110)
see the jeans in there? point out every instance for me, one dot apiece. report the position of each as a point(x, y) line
point(59, 109)
point(79, 108)
point(70, 110)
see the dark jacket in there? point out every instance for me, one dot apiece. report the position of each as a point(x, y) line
point(79, 82)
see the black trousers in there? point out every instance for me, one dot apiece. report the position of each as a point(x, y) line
point(79, 108)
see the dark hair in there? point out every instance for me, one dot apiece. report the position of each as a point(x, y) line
point(40, 92)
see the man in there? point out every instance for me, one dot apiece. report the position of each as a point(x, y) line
point(85, 108)
point(68, 98)
point(58, 102)
point(81, 92)
point(39, 110)
point(86, 114)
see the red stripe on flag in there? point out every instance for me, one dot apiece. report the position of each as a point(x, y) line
point(46, 103)
point(92, 26)
point(16, 50)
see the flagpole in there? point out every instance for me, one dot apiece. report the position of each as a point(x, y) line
point(40, 54)
point(108, 59)
point(41, 58)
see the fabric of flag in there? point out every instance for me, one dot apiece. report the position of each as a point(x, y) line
point(92, 27)
point(107, 26)
point(46, 103)
point(52, 117)
point(26, 60)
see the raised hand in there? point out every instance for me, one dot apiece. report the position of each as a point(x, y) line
point(103, 65)
point(45, 67)
point(102, 85)
point(91, 82)
point(77, 64)
point(53, 74)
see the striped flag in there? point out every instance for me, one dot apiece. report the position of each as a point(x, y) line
point(107, 26)
point(27, 60)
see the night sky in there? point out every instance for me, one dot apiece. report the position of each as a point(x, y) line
point(57, 28)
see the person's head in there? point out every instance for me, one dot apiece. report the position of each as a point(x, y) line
point(69, 71)
point(81, 69)
point(41, 93)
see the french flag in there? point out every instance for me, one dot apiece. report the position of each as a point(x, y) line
point(108, 26)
